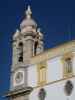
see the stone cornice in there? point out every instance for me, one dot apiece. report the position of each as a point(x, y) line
point(16, 92)
point(54, 52)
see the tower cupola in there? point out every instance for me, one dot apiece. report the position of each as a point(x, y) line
point(28, 25)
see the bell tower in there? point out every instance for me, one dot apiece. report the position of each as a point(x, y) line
point(27, 42)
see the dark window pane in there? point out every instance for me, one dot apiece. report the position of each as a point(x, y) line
point(68, 88)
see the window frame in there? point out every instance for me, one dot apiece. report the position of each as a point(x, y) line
point(42, 69)
point(64, 58)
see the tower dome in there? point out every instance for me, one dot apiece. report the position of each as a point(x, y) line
point(28, 21)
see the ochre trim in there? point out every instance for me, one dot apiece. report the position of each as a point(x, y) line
point(41, 69)
point(54, 82)
point(65, 56)
point(54, 52)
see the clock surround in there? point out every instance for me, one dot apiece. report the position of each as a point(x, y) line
point(18, 78)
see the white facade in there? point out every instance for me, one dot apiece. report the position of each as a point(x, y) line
point(55, 79)
point(54, 71)
point(54, 91)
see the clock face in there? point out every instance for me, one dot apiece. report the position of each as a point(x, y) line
point(18, 78)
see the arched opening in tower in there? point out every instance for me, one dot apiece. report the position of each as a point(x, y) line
point(20, 58)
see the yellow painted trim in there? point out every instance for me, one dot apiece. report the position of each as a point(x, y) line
point(54, 52)
point(65, 56)
point(54, 82)
point(40, 67)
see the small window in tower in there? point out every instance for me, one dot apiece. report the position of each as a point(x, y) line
point(20, 55)
point(35, 48)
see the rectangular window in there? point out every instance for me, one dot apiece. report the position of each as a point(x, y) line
point(42, 73)
point(68, 65)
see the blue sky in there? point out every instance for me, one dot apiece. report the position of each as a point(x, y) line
point(55, 17)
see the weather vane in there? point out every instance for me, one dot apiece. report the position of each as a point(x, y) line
point(27, 2)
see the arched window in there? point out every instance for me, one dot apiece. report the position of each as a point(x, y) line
point(35, 48)
point(42, 67)
point(68, 65)
point(20, 55)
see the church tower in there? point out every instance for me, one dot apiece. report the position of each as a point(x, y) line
point(27, 42)
point(37, 74)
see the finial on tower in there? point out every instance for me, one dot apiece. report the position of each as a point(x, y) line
point(40, 33)
point(17, 31)
point(28, 12)
point(16, 34)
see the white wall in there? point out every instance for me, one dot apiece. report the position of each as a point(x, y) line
point(54, 92)
point(54, 72)
point(32, 76)
point(74, 63)
point(54, 69)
